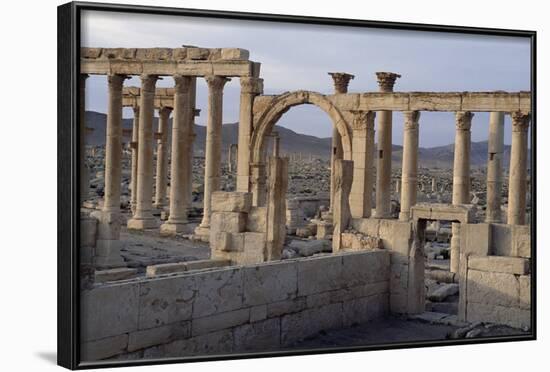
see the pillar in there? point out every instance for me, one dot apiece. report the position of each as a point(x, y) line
point(258, 185)
point(363, 163)
point(231, 154)
point(494, 167)
point(434, 185)
point(276, 207)
point(341, 216)
point(83, 168)
point(108, 244)
point(161, 181)
point(143, 217)
point(213, 154)
point(180, 183)
point(517, 183)
point(134, 146)
point(461, 178)
point(250, 88)
point(276, 144)
point(191, 139)
point(386, 81)
point(409, 169)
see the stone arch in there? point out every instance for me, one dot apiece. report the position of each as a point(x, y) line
point(285, 102)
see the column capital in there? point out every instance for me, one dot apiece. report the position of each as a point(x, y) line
point(164, 110)
point(115, 81)
point(411, 119)
point(463, 120)
point(341, 81)
point(148, 83)
point(363, 120)
point(520, 121)
point(386, 80)
point(215, 82)
point(251, 85)
point(182, 83)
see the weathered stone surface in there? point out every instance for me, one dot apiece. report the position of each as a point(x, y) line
point(88, 231)
point(306, 248)
point(279, 308)
point(493, 288)
point(512, 316)
point(441, 293)
point(218, 291)
point(500, 264)
point(209, 344)
point(177, 267)
point(233, 222)
point(501, 240)
point(231, 201)
point(256, 221)
point(525, 291)
point(360, 269)
point(521, 241)
point(396, 235)
point(319, 275)
point(104, 348)
point(268, 283)
point(218, 322)
point(234, 54)
point(159, 335)
point(110, 275)
point(260, 336)
point(309, 322)
point(258, 313)
point(109, 311)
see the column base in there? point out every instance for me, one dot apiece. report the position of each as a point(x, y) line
point(202, 233)
point(174, 228)
point(381, 215)
point(404, 216)
point(107, 254)
point(142, 223)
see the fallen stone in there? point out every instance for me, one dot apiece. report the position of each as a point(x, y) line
point(441, 293)
point(112, 275)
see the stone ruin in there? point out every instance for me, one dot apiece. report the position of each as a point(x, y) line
point(253, 286)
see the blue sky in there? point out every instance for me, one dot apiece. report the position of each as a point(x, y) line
point(297, 56)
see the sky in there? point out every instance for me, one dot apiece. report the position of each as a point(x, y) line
point(296, 56)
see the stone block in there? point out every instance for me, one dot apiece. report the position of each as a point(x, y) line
point(367, 226)
point(395, 235)
point(220, 321)
point(475, 239)
point(159, 335)
point(256, 221)
point(104, 348)
point(234, 54)
point(295, 327)
point(521, 241)
point(270, 282)
point(209, 344)
point(166, 301)
point(197, 53)
point(492, 288)
point(525, 291)
point(258, 313)
point(260, 336)
point(500, 264)
point(319, 274)
point(501, 240)
point(88, 231)
point(362, 310)
point(220, 241)
point(490, 101)
point(218, 291)
point(233, 222)
point(441, 293)
point(324, 230)
point(490, 313)
point(365, 267)
point(178, 267)
point(109, 311)
point(435, 101)
point(280, 308)
point(223, 201)
point(110, 275)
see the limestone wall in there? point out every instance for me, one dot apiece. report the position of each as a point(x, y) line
point(234, 309)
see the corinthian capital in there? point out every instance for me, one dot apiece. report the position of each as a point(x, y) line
point(463, 120)
point(341, 81)
point(411, 119)
point(148, 83)
point(386, 80)
point(115, 81)
point(182, 83)
point(520, 121)
point(363, 120)
point(215, 82)
point(251, 85)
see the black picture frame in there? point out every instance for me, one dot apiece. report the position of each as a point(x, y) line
point(68, 172)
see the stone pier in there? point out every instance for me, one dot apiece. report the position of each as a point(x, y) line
point(161, 181)
point(343, 177)
point(180, 183)
point(517, 189)
point(107, 253)
point(461, 177)
point(213, 154)
point(494, 167)
point(143, 217)
point(363, 164)
point(276, 207)
point(232, 157)
point(386, 81)
point(134, 146)
point(409, 165)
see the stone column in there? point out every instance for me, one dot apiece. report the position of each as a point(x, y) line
point(494, 167)
point(461, 178)
point(83, 168)
point(161, 181)
point(108, 244)
point(179, 182)
point(363, 163)
point(212, 162)
point(434, 185)
point(134, 146)
point(517, 183)
point(341, 215)
point(409, 168)
point(276, 207)
point(250, 87)
point(386, 81)
point(231, 154)
point(341, 82)
point(192, 135)
point(143, 217)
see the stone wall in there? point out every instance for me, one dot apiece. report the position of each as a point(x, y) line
point(260, 307)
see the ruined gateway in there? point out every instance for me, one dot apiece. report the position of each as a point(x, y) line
point(368, 254)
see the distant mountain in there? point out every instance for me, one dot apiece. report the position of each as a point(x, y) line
point(292, 142)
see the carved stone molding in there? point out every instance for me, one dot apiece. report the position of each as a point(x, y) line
point(464, 120)
point(363, 120)
point(386, 80)
point(341, 81)
point(148, 83)
point(411, 119)
point(520, 121)
point(182, 84)
point(216, 83)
